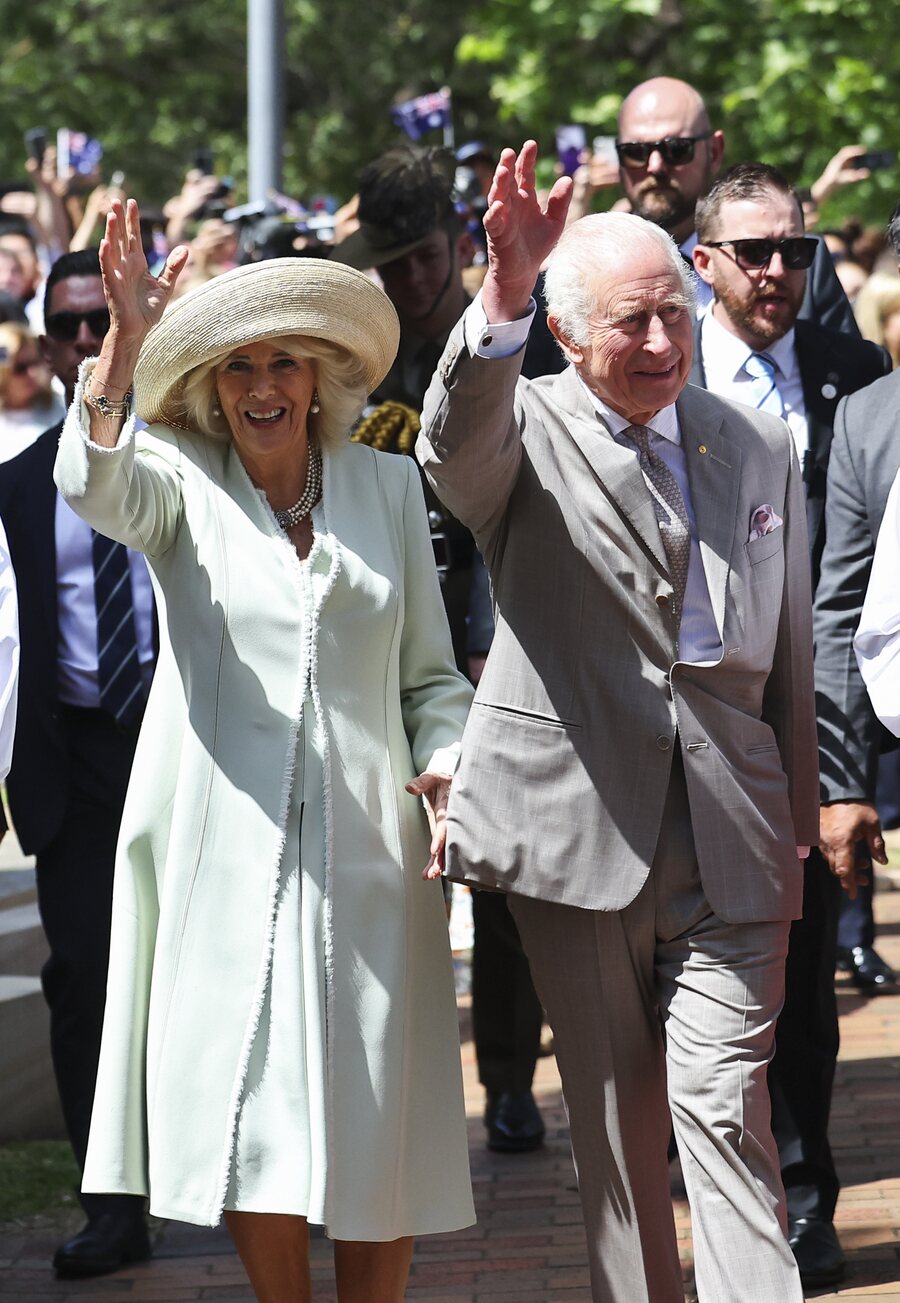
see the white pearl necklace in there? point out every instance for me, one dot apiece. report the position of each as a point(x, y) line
point(293, 515)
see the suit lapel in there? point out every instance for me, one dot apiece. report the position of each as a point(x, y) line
point(714, 474)
point(615, 468)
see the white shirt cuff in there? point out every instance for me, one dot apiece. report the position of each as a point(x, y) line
point(802, 852)
point(444, 760)
point(495, 339)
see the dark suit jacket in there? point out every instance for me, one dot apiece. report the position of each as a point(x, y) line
point(865, 457)
point(38, 780)
point(832, 365)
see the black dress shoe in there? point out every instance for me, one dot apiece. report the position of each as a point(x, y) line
point(819, 1256)
point(867, 969)
point(107, 1243)
point(514, 1123)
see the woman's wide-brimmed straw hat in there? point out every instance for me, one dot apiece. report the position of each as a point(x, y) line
point(264, 300)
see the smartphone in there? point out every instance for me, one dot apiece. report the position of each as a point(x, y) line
point(78, 151)
point(36, 143)
point(874, 161)
point(203, 161)
point(605, 147)
point(571, 141)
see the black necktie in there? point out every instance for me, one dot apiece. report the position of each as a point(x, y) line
point(119, 671)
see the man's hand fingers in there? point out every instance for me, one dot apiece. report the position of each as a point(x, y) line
point(877, 847)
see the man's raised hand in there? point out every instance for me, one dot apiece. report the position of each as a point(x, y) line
point(520, 233)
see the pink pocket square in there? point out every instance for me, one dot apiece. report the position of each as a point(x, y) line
point(764, 520)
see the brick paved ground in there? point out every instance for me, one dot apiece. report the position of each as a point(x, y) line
point(528, 1245)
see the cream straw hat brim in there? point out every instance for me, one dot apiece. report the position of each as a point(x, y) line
point(264, 300)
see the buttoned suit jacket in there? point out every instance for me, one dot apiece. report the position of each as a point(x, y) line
point(568, 750)
point(865, 457)
point(832, 365)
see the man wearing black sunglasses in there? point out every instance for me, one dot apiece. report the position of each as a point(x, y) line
point(750, 346)
point(669, 155)
point(72, 756)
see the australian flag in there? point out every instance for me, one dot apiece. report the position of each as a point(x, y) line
point(425, 113)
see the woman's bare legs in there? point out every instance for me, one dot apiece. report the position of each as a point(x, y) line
point(274, 1248)
point(372, 1273)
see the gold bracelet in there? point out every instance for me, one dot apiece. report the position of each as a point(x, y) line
point(106, 407)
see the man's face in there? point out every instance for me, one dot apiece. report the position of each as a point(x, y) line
point(758, 304)
point(21, 248)
point(78, 295)
point(638, 357)
point(415, 283)
point(12, 277)
point(662, 192)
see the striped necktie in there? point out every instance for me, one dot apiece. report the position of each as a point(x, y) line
point(671, 513)
point(764, 393)
point(118, 668)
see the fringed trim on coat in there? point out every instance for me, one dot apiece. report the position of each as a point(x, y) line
point(293, 566)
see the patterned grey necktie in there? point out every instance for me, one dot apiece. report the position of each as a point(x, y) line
point(671, 513)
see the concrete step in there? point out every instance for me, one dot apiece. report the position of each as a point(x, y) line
point(29, 1108)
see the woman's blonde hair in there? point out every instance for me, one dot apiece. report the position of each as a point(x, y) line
point(339, 381)
point(878, 299)
point(12, 336)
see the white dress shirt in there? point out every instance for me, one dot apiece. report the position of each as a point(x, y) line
point(77, 610)
point(9, 655)
point(877, 641)
point(724, 356)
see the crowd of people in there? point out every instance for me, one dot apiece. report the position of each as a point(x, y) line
point(655, 449)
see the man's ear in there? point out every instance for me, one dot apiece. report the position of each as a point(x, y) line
point(716, 150)
point(465, 250)
point(574, 352)
point(703, 263)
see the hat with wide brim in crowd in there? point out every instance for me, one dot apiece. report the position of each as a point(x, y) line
point(375, 246)
point(264, 300)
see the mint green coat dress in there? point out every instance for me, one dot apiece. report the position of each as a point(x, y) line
point(280, 691)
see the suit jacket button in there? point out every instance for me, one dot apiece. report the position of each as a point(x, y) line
point(664, 743)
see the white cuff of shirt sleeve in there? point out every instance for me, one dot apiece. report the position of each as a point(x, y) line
point(495, 339)
point(443, 762)
point(802, 852)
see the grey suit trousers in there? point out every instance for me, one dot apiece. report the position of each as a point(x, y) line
point(607, 980)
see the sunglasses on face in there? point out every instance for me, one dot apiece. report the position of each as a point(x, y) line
point(64, 326)
point(674, 151)
point(797, 251)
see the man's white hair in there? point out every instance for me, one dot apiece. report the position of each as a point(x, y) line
point(595, 245)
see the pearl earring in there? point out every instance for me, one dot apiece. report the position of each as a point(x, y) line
point(314, 405)
point(217, 411)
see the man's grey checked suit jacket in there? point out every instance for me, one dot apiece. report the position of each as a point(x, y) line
point(569, 745)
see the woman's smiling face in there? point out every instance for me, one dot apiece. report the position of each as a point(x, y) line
point(265, 394)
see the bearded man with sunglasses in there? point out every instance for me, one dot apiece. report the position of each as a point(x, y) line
point(750, 346)
point(74, 743)
point(669, 155)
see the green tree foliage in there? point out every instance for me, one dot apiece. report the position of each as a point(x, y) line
point(791, 80)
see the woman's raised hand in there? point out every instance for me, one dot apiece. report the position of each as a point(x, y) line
point(135, 298)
